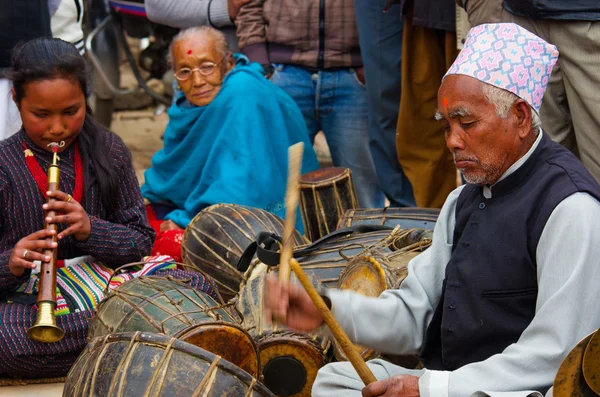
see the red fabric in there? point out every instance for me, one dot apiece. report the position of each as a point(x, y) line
point(41, 178)
point(167, 242)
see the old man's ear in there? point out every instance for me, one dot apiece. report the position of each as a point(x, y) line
point(523, 117)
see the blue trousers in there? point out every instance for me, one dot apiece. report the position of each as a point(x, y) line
point(336, 103)
point(380, 36)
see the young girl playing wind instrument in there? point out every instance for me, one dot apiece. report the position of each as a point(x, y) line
point(101, 219)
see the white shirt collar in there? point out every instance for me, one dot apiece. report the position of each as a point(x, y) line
point(487, 190)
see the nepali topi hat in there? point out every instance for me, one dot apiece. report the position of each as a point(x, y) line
point(510, 57)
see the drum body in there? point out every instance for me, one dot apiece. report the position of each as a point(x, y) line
point(217, 237)
point(161, 305)
point(377, 269)
point(290, 360)
point(325, 195)
point(146, 364)
point(407, 218)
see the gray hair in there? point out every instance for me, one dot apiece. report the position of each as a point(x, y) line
point(503, 101)
point(201, 31)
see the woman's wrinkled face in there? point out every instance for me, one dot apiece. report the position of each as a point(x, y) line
point(53, 111)
point(203, 67)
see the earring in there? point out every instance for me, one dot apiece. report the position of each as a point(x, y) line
point(178, 87)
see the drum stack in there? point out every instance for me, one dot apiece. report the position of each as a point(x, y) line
point(165, 337)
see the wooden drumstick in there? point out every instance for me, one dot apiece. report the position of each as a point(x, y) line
point(353, 355)
point(295, 153)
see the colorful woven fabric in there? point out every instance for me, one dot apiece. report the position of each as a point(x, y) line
point(21, 357)
point(84, 284)
point(509, 57)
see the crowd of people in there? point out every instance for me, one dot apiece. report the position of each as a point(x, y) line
point(508, 286)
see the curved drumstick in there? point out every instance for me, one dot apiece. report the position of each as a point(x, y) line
point(353, 355)
point(295, 153)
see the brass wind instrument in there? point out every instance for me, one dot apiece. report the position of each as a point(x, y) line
point(45, 329)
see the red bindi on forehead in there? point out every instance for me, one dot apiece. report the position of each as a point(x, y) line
point(189, 52)
point(446, 104)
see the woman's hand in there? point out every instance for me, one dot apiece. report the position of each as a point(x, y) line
point(29, 249)
point(169, 225)
point(70, 212)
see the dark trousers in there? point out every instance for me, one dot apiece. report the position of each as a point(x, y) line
point(380, 36)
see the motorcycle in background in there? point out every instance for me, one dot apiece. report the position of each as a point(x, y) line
point(110, 22)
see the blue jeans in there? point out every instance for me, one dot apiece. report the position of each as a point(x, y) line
point(380, 36)
point(336, 103)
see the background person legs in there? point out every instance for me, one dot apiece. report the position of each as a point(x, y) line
point(380, 35)
point(426, 56)
point(342, 108)
point(569, 109)
point(336, 103)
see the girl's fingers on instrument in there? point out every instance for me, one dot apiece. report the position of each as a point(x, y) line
point(35, 256)
point(59, 195)
point(60, 206)
point(24, 264)
point(40, 234)
point(60, 219)
point(38, 245)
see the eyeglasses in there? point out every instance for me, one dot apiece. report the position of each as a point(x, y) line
point(206, 69)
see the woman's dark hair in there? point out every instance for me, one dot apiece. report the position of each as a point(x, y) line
point(48, 59)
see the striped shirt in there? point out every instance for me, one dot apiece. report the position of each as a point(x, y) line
point(116, 238)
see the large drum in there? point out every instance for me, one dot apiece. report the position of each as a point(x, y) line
point(169, 306)
point(407, 218)
point(290, 360)
point(325, 195)
point(146, 364)
point(376, 270)
point(216, 238)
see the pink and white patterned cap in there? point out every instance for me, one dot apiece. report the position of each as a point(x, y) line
point(509, 57)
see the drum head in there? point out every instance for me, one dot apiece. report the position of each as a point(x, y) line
point(289, 365)
point(364, 275)
point(324, 176)
point(226, 340)
point(569, 381)
point(591, 363)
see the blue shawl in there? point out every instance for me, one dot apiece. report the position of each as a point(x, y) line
point(233, 150)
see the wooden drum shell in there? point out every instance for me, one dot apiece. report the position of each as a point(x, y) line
point(406, 218)
point(325, 195)
point(147, 364)
point(289, 360)
point(169, 306)
point(216, 238)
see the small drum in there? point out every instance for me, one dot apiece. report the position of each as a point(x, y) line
point(216, 238)
point(376, 270)
point(325, 195)
point(407, 218)
point(146, 364)
point(290, 360)
point(168, 306)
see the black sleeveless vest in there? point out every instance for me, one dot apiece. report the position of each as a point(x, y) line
point(490, 289)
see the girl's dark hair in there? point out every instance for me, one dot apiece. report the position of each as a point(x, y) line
point(47, 59)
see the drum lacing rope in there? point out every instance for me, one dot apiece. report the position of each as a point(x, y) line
point(161, 368)
point(216, 316)
point(250, 391)
point(125, 360)
point(212, 373)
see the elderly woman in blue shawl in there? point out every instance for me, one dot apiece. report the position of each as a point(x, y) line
point(227, 138)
